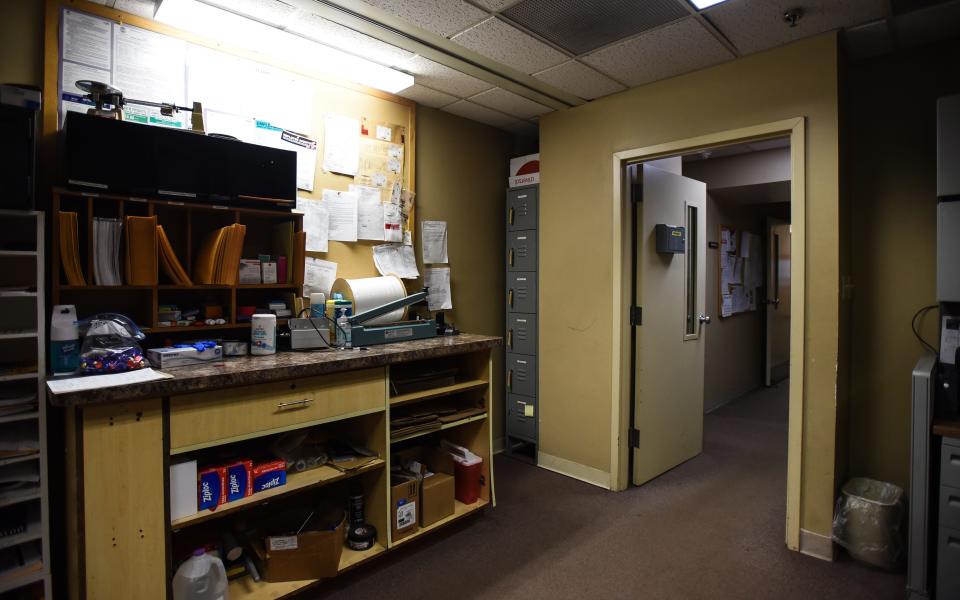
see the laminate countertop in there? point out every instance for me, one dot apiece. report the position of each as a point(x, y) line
point(250, 370)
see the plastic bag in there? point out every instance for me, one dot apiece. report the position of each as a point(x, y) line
point(868, 522)
point(110, 345)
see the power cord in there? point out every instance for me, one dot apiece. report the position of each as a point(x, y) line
point(913, 326)
point(328, 320)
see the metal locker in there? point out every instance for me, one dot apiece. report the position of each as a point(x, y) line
point(522, 374)
point(522, 209)
point(948, 557)
point(522, 417)
point(522, 250)
point(522, 333)
point(522, 292)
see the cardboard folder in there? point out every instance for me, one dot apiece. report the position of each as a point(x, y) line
point(70, 249)
point(168, 259)
point(141, 260)
point(218, 261)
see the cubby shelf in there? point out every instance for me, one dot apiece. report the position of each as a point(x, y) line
point(460, 510)
point(445, 426)
point(447, 390)
point(247, 589)
point(296, 482)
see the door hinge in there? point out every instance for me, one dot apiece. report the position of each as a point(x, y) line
point(636, 316)
point(633, 437)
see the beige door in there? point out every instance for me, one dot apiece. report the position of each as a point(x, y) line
point(778, 301)
point(668, 401)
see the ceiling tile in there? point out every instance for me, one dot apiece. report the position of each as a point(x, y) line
point(143, 8)
point(443, 78)
point(580, 27)
point(343, 38)
point(508, 45)
point(513, 104)
point(678, 48)
point(495, 5)
point(442, 17)
point(759, 25)
point(475, 112)
point(427, 97)
point(580, 80)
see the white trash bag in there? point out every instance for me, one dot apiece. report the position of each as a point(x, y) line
point(868, 522)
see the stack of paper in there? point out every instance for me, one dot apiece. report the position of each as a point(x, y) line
point(70, 249)
point(106, 251)
point(13, 403)
point(218, 261)
point(141, 263)
point(169, 261)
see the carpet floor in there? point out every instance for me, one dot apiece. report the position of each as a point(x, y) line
point(712, 527)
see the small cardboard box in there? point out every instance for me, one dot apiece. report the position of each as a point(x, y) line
point(436, 500)
point(404, 496)
point(307, 555)
point(165, 358)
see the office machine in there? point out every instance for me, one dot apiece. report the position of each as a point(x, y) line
point(933, 567)
point(19, 107)
point(372, 335)
point(309, 334)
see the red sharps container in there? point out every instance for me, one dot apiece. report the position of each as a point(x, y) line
point(467, 477)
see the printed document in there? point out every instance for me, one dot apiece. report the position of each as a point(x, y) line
point(438, 282)
point(434, 242)
point(342, 207)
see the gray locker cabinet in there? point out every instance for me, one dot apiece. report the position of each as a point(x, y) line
point(522, 417)
point(522, 208)
point(522, 292)
point(522, 250)
point(522, 374)
point(948, 563)
point(522, 333)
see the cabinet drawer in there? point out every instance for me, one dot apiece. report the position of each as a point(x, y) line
point(948, 561)
point(218, 416)
point(950, 507)
point(950, 465)
point(522, 417)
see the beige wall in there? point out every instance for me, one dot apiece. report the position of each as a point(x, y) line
point(461, 178)
point(21, 41)
point(890, 166)
point(733, 362)
point(576, 149)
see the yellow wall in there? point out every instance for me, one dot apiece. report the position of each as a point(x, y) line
point(21, 41)
point(462, 178)
point(576, 149)
point(890, 168)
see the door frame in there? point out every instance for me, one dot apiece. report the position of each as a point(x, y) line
point(622, 333)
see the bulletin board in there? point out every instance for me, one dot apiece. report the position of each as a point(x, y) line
point(297, 100)
point(740, 271)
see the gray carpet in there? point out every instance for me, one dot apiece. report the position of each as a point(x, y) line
point(710, 528)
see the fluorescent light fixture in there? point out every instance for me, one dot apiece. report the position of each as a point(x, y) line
point(702, 4)
point(235, 30)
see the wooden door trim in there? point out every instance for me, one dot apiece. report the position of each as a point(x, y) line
point(620, 298)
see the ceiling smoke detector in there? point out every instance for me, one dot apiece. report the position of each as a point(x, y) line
point(793, 16)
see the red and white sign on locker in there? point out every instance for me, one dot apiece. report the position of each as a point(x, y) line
point(525, 170)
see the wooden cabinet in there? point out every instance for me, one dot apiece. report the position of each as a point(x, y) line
point(119, 453)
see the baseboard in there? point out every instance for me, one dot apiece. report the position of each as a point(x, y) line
point(499, 445)
point(575, 470)
point(816, 545)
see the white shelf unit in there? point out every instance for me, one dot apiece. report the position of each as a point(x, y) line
point(22, 294)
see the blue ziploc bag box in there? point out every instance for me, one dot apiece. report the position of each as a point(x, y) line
point(211, 488)
point(239, 480)
point(269, 475)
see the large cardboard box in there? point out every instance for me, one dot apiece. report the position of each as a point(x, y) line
point(404, 500)
point(307, 555)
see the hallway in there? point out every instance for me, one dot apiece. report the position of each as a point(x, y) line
point(710, 528)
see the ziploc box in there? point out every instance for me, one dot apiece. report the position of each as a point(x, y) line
point(211, 488)
point(239, 480)
point(269, 475)
point(164, 358)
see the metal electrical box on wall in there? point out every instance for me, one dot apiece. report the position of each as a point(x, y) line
point(670, 239)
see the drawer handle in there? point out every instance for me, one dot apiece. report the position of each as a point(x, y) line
point(295, 404)
point(521, 197)
point(952, 541)
point(510, 215)
point(510, 297)
point(511, 257)
point(510, 338)
point(510, 379)
point(953, 501)
point(954, 459)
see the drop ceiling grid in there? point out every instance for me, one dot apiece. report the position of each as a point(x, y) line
point(509, 103)
point(577, 78)
point(504, 43)
point(442, 17)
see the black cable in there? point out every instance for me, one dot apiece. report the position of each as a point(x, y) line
point(913, 326)
point(315, 328)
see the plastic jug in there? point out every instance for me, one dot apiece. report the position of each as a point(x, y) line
point(200, 577)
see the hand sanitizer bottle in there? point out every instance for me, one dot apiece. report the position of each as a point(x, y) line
point(343, 329)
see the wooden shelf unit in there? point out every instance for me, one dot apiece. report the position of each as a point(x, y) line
point(460, 510)
point(447, 390)
point(186, 224)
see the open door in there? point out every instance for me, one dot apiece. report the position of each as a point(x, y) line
point(778, 301)
point(670, 289)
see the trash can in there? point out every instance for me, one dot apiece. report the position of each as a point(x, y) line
point(868, 522)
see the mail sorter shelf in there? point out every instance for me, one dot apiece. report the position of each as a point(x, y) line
point(186, 227)
point(441, 427)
